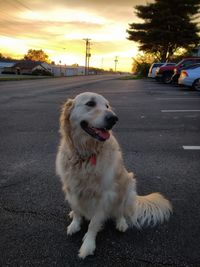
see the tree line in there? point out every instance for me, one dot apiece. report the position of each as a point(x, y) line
point(32, 54)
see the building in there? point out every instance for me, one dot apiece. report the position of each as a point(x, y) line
point(64, 70)
point(26, 67)
point(31, 67)
point(4, 63)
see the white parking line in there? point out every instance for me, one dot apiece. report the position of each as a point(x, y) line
point(178, 98)
point(191, 147)
point(180, 110)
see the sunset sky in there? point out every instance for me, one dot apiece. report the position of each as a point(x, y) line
point(58, 27)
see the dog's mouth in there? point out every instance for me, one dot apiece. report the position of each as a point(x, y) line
point(101, 134)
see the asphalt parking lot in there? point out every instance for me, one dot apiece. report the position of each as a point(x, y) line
point(159, 132)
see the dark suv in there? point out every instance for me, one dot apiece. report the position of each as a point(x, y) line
point(165, 73)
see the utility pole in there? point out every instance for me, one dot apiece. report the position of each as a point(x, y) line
point(116, 61)
point(60, 68)
point(87, 55)
point(102, 63)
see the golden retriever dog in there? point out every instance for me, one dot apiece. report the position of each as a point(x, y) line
point(95, 181)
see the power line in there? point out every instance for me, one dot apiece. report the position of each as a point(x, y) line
point(23, 5)
point(17, 4)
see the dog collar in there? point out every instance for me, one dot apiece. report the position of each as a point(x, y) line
point(93, 160)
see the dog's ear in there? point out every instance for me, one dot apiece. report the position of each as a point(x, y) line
point(65, 127)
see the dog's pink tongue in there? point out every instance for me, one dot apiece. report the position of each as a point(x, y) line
point(104, 134)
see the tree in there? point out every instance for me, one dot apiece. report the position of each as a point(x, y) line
point(75, 65)
point(142, 63)
point(37, 55)
point(2, 57)
point(167, 27)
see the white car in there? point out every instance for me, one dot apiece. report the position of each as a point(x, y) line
point(190, 78)
point(152, 69)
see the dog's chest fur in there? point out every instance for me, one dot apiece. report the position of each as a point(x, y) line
point(91, 186)
point(88, 186)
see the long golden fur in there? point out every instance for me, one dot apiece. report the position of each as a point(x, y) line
point(95, 181)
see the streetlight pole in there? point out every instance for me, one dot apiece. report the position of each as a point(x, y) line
point(102, 63)
point(116, 61)
point(60, 68)
point(87, 55)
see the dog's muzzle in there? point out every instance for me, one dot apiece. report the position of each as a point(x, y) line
point(102, 133)
point(110, 120)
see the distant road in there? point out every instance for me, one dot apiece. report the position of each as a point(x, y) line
point(30, 88)
point(54, 83)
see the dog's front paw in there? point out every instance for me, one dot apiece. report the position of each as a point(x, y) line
point(121, 224)
point(73, 228)
point(71, 214)
point(87, 248)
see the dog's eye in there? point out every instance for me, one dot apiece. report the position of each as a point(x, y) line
point(107, 106)
point(91, 104)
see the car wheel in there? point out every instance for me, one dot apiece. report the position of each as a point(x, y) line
point(167, 78)
point(196, 84)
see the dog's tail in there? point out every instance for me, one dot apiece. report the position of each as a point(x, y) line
point(150, 210)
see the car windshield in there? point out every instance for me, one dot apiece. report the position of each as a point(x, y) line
point(157, 65)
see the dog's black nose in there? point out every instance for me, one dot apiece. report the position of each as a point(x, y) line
point(111, 119)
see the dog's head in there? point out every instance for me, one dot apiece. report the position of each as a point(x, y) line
point(88, 114)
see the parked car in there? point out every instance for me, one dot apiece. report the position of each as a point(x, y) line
point(155, 66)
point(152, 69)
point(164, 74)
point(190, 78)
point(177, 72)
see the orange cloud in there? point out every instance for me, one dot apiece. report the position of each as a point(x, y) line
point(58, 28)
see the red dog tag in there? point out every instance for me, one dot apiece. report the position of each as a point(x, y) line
point(93, 159)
